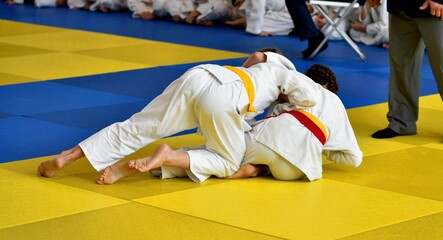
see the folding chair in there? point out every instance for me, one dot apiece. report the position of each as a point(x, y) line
point(345, 8)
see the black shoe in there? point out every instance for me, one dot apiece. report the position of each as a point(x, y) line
point(313, 44)
point(385, 133)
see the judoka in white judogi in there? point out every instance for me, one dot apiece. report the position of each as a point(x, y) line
point(94, 5)
point(213, 10)
point(208, 9)
point(289, 149)
point(376, 20)
point(40, 3)
point(212, 98)
point(267, 16)
point(153, 7)
point(282, 141)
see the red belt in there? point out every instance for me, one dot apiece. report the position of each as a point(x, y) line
point(310, 122)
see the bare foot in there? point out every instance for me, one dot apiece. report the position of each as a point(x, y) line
point(177, 18)
point(192, 17)
point(153, 162)
point(248, 170)
point(114, 173)
point(50, 167)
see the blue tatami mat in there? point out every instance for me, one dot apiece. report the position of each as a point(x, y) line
point(43, 97)
point(24, 138)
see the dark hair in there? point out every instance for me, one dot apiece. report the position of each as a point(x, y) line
point(323, 76)
point(274, 50)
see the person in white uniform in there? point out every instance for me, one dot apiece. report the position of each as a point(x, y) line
point(322, 24)
point(215, 99)
point(148, 9)
point(291, 141)
point(40, 3)
point(262, 18)
point(267, 17)
point(289, 145)
point(371, 27)
point(99, 5)
point(208, 12)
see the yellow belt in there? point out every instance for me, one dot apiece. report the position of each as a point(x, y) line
point(247, 82)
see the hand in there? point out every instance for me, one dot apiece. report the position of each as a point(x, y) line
point(319, 20)
point(436, 9)
point(358, 26)
point(374, 3)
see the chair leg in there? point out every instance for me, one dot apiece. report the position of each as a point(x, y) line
point(334, 26)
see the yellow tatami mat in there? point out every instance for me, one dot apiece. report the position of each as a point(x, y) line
point(27, 49)
point(395, 194)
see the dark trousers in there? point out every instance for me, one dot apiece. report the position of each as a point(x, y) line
point(304, 27)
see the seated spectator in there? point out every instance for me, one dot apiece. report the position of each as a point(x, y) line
point(99, 5)
point(321, 23)
point(40, 3)
point(371, 27)
point(267, 17)
point(148, 9)
point(208, 12)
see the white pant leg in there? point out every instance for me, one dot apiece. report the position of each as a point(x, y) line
point(179, 7)
point(281, 169)
point(73, 4)
point(278, 23)
point(172, 172)
point(169, 113)
point(222, 127)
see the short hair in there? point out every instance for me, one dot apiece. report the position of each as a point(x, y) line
point(324, 76)
point(269, 49)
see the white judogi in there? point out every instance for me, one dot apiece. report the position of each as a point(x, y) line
point(267, 16)
point(179, 7)
point(377, 28)
point(209, 97)
point(156, 7)
point(214, 10)
point(45, 3)
point(113, 5)
point(77, 4)
point(40, 3)
point(293, 142)
point(209, 9)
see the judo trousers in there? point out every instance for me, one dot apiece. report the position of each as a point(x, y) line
point(196, 99)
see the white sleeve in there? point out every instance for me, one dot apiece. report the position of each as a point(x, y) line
point(300, 89)
point(343, 148)
point(255, 14)
point(381, 22)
